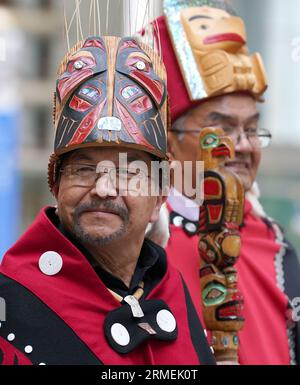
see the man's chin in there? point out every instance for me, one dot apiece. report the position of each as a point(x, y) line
point(99, 220)
point(99, 236)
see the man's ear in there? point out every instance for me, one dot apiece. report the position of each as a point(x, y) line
point(159, 232)
point(171, 146)
point(55, 190)
point(159, 202)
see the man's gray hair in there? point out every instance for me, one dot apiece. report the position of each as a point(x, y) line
point(179, 124)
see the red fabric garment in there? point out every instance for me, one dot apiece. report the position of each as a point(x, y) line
point(263, 341)
point(78, 296)
point(9, 355)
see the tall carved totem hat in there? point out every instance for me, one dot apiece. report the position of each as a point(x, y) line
point(110, 91)
point(204, 47)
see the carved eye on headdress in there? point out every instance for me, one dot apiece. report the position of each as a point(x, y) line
point(139, 63)
point(142, 66)
point(79, 64)
point(76, 65)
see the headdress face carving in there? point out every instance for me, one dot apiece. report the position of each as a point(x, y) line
point(111, 91)
point(210, 45)
point(209, 29)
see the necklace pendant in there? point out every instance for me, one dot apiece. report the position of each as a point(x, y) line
point(136, 309)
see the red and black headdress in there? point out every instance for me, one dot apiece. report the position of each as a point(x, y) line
point(110, 92)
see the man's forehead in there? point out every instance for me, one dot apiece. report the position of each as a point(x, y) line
point(230, 107)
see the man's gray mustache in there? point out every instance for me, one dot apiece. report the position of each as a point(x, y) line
point(108, 205)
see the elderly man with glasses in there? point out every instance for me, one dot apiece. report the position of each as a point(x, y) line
point(83, 286)
point(214, 81)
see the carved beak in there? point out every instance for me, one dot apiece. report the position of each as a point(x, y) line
point(225, 149)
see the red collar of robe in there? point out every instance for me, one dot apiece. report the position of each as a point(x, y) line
point(78, 296)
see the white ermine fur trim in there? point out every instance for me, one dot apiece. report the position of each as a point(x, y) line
point(159, 232)
point(253, 196)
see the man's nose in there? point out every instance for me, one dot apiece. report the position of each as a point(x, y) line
point(105, 187)
point(242, 143)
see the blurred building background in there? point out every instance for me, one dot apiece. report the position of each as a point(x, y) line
point(31, 46)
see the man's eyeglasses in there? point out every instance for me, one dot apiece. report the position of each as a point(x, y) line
point(86, 175)
point(258, 138)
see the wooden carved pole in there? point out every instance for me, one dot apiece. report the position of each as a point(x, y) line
point(221, 215)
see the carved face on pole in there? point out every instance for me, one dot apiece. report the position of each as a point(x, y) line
point(222, 303)
point(214, 146)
